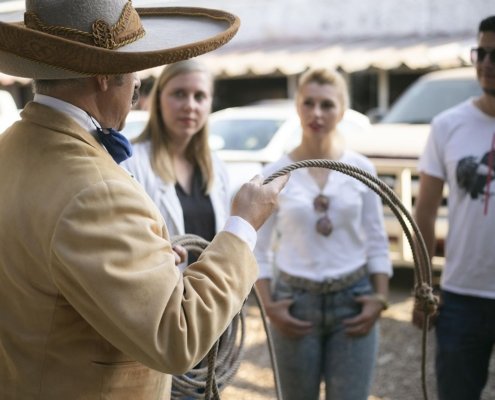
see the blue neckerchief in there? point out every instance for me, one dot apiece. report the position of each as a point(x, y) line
point(116, 144)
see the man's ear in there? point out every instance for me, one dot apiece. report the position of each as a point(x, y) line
point(103, 82)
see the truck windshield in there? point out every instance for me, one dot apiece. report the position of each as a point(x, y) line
point(425, 99)
point(243, 134)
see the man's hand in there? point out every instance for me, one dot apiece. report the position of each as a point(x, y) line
point(418, 315)
point(255, 202)
point(180, 254)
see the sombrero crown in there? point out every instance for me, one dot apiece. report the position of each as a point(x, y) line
point(72, 38)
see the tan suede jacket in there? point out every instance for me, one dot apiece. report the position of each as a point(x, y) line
point(91, 303)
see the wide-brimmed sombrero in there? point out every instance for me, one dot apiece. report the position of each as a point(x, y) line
point(61, 39)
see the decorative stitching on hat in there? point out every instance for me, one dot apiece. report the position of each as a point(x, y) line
point(83, 59)
point(128, 29)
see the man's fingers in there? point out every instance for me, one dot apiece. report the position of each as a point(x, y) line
point(279, 182)
point(258, 179)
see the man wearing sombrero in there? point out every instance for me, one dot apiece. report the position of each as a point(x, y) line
point(91, 303)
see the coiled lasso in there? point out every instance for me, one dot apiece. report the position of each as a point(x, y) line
point(423, 291)
point(222, 361)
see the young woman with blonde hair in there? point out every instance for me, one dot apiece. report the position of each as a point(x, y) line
point(331, 264)
point(172, 158)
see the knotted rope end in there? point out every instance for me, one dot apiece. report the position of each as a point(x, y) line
point(424, 299)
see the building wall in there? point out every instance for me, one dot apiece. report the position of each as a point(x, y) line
point(263, 20)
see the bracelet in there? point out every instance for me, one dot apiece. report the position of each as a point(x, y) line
point(382, 299)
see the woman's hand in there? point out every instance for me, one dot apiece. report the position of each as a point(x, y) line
point(279, 312)
point(361, 324)
point(280, 317)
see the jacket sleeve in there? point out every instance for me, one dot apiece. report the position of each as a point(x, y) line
point(111, 259)
point(377, 245)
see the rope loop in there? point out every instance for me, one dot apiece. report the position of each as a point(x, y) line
point(225, 354)
point(421, 259)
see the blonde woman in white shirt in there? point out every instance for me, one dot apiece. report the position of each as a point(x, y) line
point(172, 159)
point(330, 267)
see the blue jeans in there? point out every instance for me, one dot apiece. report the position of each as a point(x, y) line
point(465, 332)
point(345, 364)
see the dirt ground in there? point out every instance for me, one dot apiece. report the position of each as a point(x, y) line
point(398, 370)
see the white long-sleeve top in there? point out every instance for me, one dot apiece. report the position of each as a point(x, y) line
point(164, 195)
point(289, 241)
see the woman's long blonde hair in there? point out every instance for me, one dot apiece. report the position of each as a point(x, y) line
point(197, 152)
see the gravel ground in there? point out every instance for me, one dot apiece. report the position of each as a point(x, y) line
point(398, 373)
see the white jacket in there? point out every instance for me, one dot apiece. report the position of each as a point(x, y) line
point(164, 195)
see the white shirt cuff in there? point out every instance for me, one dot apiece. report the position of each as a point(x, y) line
point(380, 265)
point(242, 229)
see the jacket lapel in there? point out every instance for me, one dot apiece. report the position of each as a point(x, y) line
point(171, 203)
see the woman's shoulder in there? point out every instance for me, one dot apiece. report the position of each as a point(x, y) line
point(141, 147)
point(282, 162)
point(216, 160)
point(140, 157)
point(219, 166)
point(140, 151)
point(358, 160)
point(221, 172)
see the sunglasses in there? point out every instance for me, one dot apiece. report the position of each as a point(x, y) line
point(478, 55)
point(324, 226)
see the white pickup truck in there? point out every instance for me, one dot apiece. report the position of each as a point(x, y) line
point(396, 142)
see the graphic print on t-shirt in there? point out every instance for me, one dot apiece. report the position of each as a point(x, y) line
point(474, 176)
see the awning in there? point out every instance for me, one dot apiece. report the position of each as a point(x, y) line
point(288, 58)
point(293, 57)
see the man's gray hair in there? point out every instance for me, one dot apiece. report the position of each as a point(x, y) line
point(45, 86)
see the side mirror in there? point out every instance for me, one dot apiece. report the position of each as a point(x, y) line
point(216, 142)
point(376, 114)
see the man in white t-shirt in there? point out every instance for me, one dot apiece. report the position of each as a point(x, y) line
point(461, 153)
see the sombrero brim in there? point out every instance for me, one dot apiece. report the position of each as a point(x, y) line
point(172, 34)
